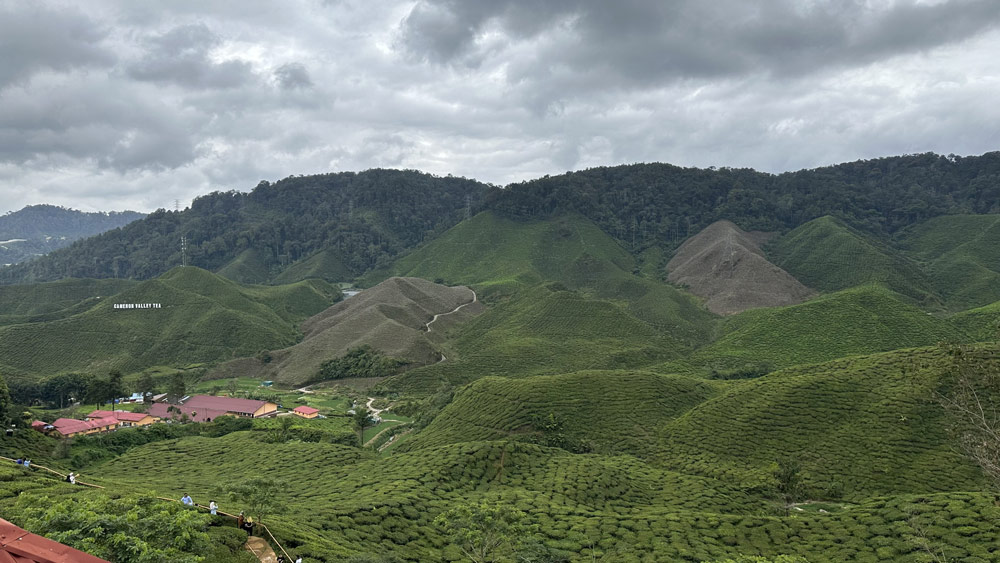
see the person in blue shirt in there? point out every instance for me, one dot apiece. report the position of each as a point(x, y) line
point(187, 500)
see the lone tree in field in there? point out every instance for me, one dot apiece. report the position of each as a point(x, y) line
point(260, 496)
point(362, 419)
point(485, 532)
point(972, 396)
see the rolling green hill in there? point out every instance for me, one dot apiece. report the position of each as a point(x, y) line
point(602, 411)
point(828, 255)
point(982, 324)
point(498, 256)
point(49, 301)
point(861, 320)
point(545, 330)
point(325, 264)
point(859, 426)
point(204, 318)
point(391, 317)
point(962, 257)
point(249, 266)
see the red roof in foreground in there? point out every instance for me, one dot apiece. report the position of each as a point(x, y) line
point(20, 546)
point(305, 410)
point(38, 424)
point(71, 425)
point(119, 415)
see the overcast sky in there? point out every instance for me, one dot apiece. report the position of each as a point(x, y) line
point(134, 104)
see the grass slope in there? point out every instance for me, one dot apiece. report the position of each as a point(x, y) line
point(962, 257)
point(51, 300)
point(828, 255)
point(545, 330)
point(326, 265)
point(391, 317)
point(498, 256)
point(248, 267)
point(864, 426)
point(982, 324)
point(204, 318)
point(607, 411)
point(344, 502)
point(861, 320)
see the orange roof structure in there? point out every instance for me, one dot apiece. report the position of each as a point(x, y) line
point(20, 546)
point(305, 410)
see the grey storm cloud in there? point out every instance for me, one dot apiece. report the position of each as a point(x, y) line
point(34, 38)
point(644, 42)
point(291, 76)
point(134, 104)
point(181, 56)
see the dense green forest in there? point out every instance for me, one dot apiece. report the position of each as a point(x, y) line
point(40, 229)
point(355, 222)
point(647, 204)
point(364, 218)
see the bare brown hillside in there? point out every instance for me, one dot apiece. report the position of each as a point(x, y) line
point(726, 266)
point(391, 317)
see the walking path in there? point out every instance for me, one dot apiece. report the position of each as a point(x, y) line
point(455, 310)
point(259, 551)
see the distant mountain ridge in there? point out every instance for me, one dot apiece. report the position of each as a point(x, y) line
point(349, 224)
point(39, 229)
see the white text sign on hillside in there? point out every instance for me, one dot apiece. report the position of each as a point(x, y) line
point(137, 306)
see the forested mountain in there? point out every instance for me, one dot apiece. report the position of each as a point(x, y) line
point(647, 204)
point(39, 229)
point(364, 218)
point(350, 223)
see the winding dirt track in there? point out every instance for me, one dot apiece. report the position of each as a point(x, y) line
point(455, 310)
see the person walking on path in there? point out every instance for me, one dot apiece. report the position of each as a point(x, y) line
point(71, 478)
point(212, 507)
point(299, 559)
point(240, 520)
point(187, 500)
point(27, 464)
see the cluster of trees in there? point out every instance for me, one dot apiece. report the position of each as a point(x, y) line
point(363, 361)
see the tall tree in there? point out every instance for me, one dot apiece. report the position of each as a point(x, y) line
point(972, 397)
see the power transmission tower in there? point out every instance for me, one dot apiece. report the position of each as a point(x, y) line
point(184, 248)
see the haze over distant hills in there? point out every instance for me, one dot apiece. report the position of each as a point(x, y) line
point(40, 229)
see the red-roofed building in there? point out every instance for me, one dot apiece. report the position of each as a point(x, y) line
point(68, 427)
point(206, 408)
point(39, 425)
point(20, 546)
point(236, 407)
point(306, 412)
point(166, 411)
point(125, 418)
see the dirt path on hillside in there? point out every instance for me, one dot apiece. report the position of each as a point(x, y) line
point(261, 550)
point(455, 310)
